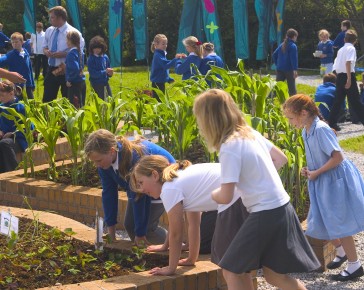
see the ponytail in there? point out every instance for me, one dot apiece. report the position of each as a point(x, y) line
point(289, 35)
point(171, 171)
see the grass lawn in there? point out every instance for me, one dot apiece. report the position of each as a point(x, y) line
point(355, 144)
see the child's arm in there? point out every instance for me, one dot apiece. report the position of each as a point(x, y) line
point(224, 194)
point(336, 158)
point(175, 219)
point(12, 76)
point(278, 157)
point(348, 74)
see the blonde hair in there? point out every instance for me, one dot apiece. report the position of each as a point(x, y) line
point(219, 118)
point(208, 47)
point(158, 38)
point(149, 163)
point(193, 42)
point(324, 32)
point(102, 141)
point(17, 36)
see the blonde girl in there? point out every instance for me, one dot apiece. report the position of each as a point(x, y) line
point(183, 188)
point(75, 79)
point(159, 74)
point(335, 186)
point(271, 237)
point(325, 46)
point(114, 157)
point(183, 65)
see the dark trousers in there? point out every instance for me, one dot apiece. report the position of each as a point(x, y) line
point(40, 61)
point(207, 229)
point(103, 91)
point(8, 150)
point(52, 84)
point(353, 98)
point(291, 81)
point(160, 86)
point(76, 94)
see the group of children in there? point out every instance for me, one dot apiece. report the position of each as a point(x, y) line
point(202, 56)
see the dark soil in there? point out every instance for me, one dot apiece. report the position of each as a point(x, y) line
point(44, 256)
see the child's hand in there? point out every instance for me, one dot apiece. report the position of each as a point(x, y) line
point(109, 71)
point(312, 175)
point(304, 171)
point(68, 84)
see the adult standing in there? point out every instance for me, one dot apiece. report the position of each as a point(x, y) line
point(285, 58)
point(4, 40)
point(40, 59)
point(55, 48)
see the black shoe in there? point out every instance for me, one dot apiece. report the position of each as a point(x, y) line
point(334, 265)
point(356, 274)
point(335, 127)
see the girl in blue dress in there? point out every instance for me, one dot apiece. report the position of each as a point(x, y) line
point(335, 187)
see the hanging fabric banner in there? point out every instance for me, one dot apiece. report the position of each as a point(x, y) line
point(139, 10)
point(52, 3)
point(241, 29)
point(263, 10)
point(75, 15)
point(190, 23)
point(279, 17)
point(273, 28)
point(211, 24)
point(29, 16)
point(116, 15)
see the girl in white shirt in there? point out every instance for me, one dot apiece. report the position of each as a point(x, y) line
point(271, 237)
point(183, 188)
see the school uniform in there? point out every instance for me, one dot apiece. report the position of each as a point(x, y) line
point(142, 213)
point(99, 79)
point(346, 54)
point(19, 61)
point(337, 195)
point(183, 67)
point(40, 59)
point(271, 235)
point(8, 146)
point(339, 40)
point(207, 61)
point(4, 41)
point(328, 50)
point(74, 74)
point(159, 73)
point(286, 63)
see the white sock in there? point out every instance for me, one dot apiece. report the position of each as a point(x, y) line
point(339, 252)
point(351, 268)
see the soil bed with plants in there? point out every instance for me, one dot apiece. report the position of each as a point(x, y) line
point(43, 256)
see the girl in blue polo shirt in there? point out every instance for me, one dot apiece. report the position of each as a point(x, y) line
point(114, 158)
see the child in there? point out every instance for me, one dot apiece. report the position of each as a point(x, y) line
point(27, 43)
point(271, 237)
point(335, 186)
point(340, 38)
point(193, 47)
point(159, 74)
point(209, 58)
point(185, 188)
point(18, 60)
point(325, 46)
point(75, 79)
point(362, 89)
point(346, 85)
point(4, 40)
point(285, 58)
point(9, 145)
point(99, 67)
point(115, 157)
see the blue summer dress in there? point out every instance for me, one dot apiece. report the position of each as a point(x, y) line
point(336, 196)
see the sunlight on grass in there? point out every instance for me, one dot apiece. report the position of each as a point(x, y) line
point(306, 89)
point(353, 144)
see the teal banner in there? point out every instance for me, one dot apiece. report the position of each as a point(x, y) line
point(74, 11)
point(263, 10)
point(240, 10)
point(52, 3)
point(211, 25)
point(279, 16)
point(29, 16)
point(116, 15)
point(139, 11)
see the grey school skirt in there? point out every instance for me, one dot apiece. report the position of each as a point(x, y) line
point(228, 223)
point(270, 238)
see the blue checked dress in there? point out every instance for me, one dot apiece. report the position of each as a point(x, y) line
point(336, 196)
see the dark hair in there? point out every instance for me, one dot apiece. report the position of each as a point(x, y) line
point(28, 35)
point(39, 24)
point(97, 42)
point(329, 78)
point(297, 103)
point(351, 36)
point(289, 35)
point(346, 23)
point(8, 86)
point(59, 11)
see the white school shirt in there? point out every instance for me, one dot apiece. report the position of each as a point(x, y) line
point(37, 42)
point(193, 187)
point(62, 40)
point(247, 162)
point(346, 53)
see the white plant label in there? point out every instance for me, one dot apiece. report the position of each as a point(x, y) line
point(8, 223)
